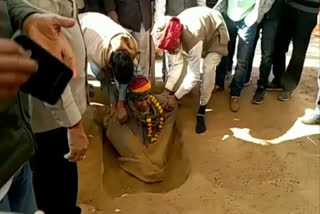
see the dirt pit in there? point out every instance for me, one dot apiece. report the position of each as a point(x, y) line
point(176, 172)
point(232, 170)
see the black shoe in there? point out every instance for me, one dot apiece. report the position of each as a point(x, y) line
point(259, 95)
point(274, 87)
point(201, 125)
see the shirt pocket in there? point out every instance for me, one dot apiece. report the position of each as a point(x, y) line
point(65, 8)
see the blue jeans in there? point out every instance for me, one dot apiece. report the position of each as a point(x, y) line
point(246, 39)
point(108, 84)
point(20, 197)
point(269, 26)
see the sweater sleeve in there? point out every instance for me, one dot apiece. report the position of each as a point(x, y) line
point(19, 11)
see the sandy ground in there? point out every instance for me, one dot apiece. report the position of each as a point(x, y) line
point(261, 160)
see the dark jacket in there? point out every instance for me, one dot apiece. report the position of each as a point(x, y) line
point(16, 138)
point(132, 12)
point(95, 6)
point(175, 7)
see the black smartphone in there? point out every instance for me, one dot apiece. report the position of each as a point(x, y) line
point(52, 77)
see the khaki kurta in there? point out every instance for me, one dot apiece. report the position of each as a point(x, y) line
point(207, 25)
point(145, 161)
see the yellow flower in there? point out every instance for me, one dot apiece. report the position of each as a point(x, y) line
point(161, 119)
point(149, 120)
point(161, 111)
point(160, 126)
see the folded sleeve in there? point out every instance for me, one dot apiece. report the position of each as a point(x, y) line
point(193, 73)
point(19, 10)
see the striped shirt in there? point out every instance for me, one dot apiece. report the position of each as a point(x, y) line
point(310, 6)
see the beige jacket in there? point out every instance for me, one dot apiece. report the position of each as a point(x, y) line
point(103, 36)
point(206, 25)
point(73, 102)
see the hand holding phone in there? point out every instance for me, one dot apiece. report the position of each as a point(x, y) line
point(47, 30)
point(15, 68)
point(52, 77)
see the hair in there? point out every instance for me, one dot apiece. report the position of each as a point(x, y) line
point(122, 66)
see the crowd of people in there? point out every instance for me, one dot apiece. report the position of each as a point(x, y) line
point(40, 144)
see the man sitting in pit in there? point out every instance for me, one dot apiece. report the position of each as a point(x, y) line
point(111, 52)
point(144, 140)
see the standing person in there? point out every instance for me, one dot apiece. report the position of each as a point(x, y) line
point(17, 141)
point(202, 33)
point(314, 117)
point(60, 137)
point(111, 52)
point(269, 26)
point(172, 8)
point(241, 19)
point(136, 17)
point(297, 23)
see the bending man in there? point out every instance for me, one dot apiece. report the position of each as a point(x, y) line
point(198, 32)
point(111, 51)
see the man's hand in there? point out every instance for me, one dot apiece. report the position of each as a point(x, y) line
point(15, 68)
point(172, 103)
point(78, 143)
point(46, 30)
point(122, 113)
point(114, 16)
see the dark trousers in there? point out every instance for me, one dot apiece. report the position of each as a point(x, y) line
point(246, 37)
point(55, 179)
point(295, 26)
point(269, 26)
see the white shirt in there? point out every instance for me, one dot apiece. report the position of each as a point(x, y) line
point(5, 188)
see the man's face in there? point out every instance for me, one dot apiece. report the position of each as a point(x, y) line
point(143, 105)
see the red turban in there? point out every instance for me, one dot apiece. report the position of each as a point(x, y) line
point(139, 88)
point(168, 40)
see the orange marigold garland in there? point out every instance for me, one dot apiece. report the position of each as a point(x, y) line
point(154, 132)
